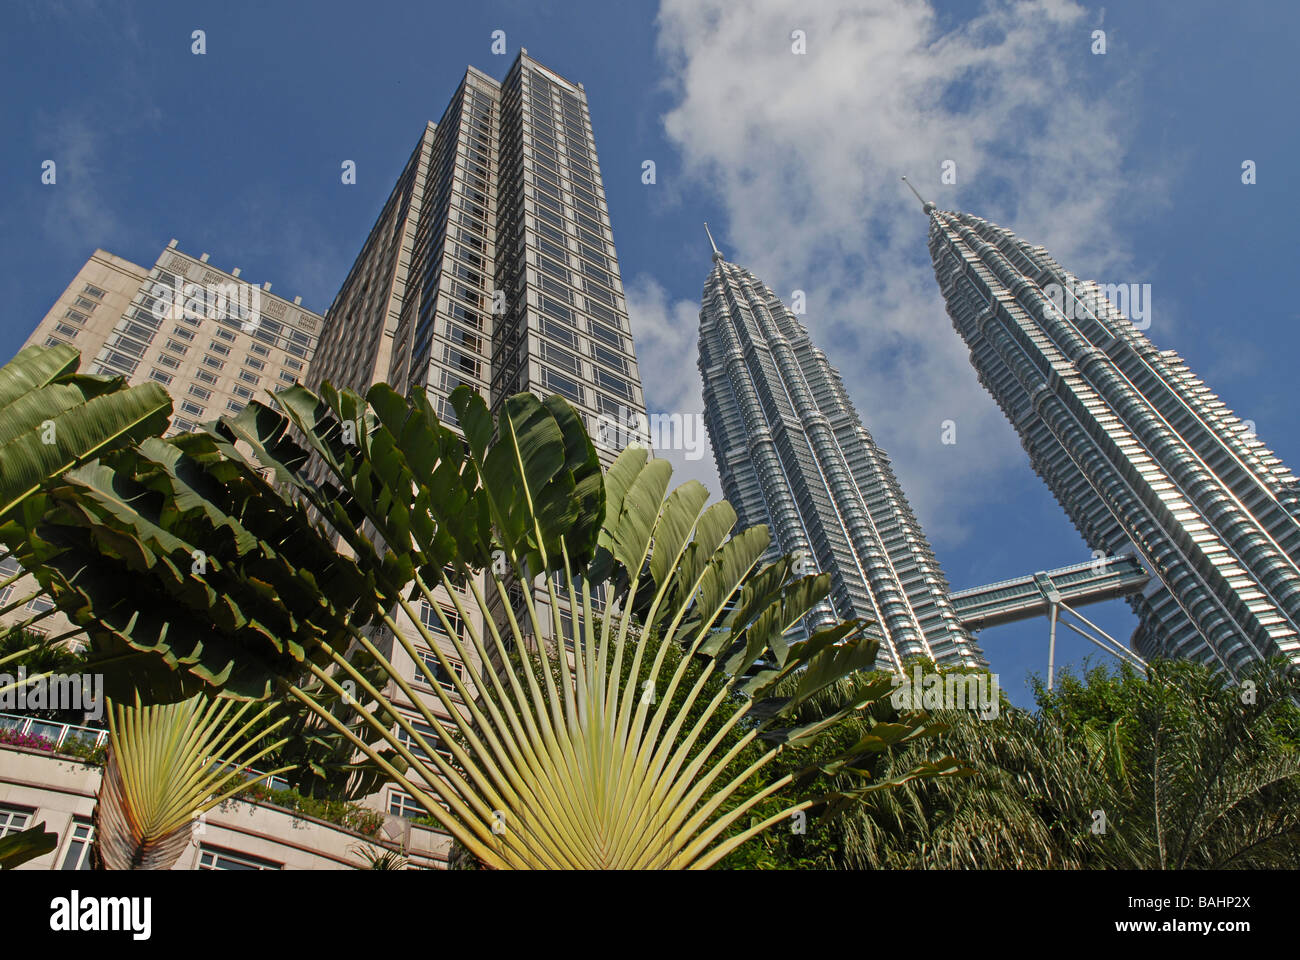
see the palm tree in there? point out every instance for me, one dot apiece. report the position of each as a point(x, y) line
point(223, 583)
point(166, 764)
point(1213, 770)
point(1176, 770)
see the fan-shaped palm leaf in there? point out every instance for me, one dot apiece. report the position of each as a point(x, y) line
point(167, 763)
point(568, 764)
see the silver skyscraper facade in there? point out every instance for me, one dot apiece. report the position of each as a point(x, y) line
point(493, 264)
point(1134, 447)
point(793, 454)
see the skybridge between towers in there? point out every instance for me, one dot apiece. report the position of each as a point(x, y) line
point(1052, 593)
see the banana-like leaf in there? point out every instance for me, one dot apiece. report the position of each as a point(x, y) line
point(602, 755)
point(51, 419)
point(17, 848)
point(166, 764)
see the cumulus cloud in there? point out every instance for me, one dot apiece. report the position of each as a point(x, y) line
point(804, 152)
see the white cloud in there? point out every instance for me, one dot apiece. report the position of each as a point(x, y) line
point(667, 337)
point(804, 153)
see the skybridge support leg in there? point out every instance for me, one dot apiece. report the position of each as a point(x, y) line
point(1051, 650)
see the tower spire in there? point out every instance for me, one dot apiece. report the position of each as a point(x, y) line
point(927, 205)
point(717, 254)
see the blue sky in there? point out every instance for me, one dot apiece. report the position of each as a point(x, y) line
point(1126, 166)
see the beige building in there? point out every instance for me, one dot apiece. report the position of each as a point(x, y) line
point(212, 339)
point(59, 791)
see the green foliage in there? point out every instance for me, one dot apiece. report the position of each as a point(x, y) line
point(17, 848)
point(34, 652)
point(379, 858)
point(1114, 770)
point(349, 815)
point(52, 418)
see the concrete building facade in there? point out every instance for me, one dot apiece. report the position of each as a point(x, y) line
point(491, 264)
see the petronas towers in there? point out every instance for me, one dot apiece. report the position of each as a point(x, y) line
point(1143, 458)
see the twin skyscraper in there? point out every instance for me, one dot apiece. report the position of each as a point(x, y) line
point(1146, 461)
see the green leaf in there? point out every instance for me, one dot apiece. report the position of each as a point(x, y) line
point(18, 848)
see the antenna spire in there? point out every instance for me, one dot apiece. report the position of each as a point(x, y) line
point(717, 254)
point(927, 205)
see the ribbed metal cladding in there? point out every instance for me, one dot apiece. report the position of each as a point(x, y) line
point(793, 454)
point(1134, 447)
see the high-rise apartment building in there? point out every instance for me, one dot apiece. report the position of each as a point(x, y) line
point(214, 341)
point(793, 454)
point(1135, 448)
point(491, 264)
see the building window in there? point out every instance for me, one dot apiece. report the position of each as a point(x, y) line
point(609, 358)
point(288, 377)
point(217, 858)
point(74, 316)
point(176, 347)
point(193, 409)
point(205, 376)
point(561, 358)
point(260, 350)
point(242, 392)
point(609, 335)
point(8, 568)
point(94, 291)
point(13, 819)
point(161, 376)
point(212, 361)
point(562, 385)
point(182, 425)
point(429, 617)
point(200, 392)
point(67, 329)
point(186, 335)
point(402, 804)
point(439, 674)
point(249, 377)
point(613, 384)
point(218, 349)
point(76, 852)
point(234, 406)
point(254, 364)
point(40, 604)
point(427, 733)
point(85, 304)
